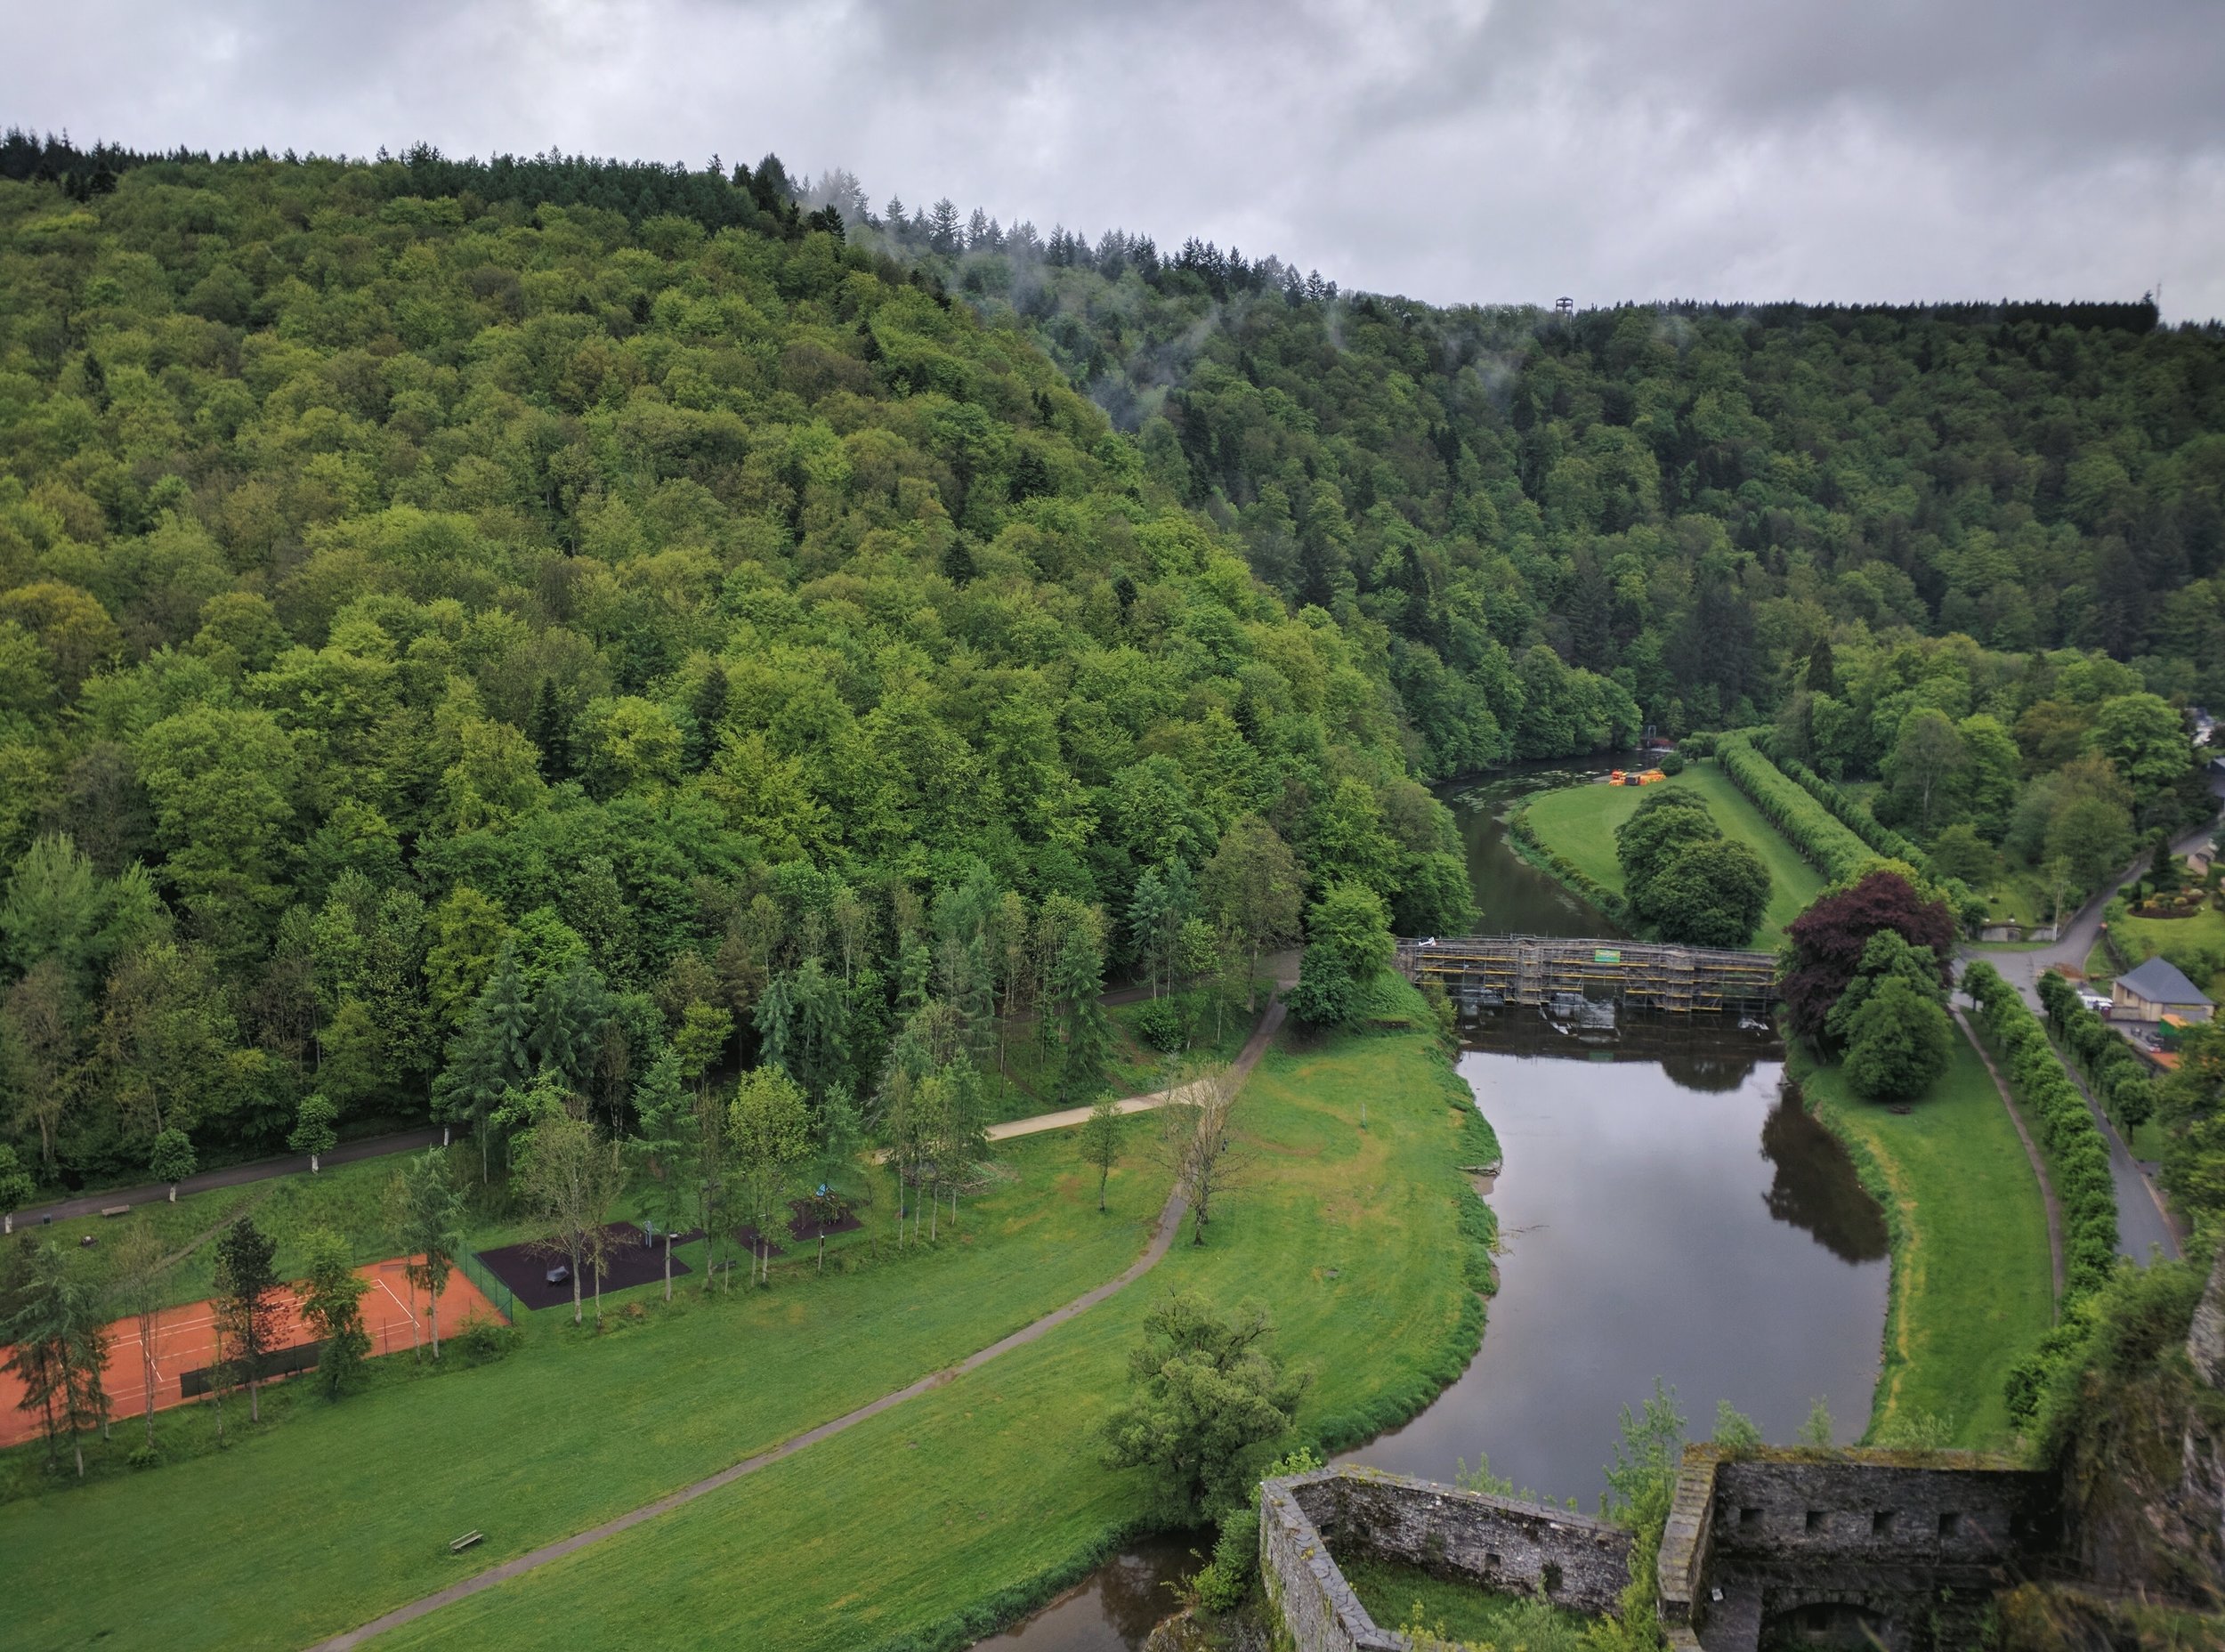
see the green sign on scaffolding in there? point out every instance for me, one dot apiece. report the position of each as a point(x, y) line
point(1607, 955)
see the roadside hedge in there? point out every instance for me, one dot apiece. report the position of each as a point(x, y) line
point(2119, 1078)
point(1843, 808)
point(1764, 771)
point(1818, 837)
point(2078, 1163)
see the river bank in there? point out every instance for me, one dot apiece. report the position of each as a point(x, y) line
point(1972, 1288)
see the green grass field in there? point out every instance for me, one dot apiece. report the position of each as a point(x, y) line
point(1972, 1284)
point(1397, 1596)
point(985, 1485)
point(1579, 822)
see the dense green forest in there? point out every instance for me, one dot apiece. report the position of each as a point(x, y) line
point(1675, 503)
point(464, 620)
point(453, 639)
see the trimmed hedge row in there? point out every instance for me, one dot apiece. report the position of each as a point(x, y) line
point(1820, 838)
point(2078, 1163)
point(1535, 849)
point(2118, 1078)
point(1844, 809)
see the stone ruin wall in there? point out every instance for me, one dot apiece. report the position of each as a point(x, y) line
point(1747, 1538)
point(1500, 1544)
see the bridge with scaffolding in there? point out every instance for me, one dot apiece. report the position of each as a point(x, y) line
point(1577, 977)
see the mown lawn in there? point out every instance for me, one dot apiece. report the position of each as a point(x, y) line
point(1973, 1285)
point(1579, 821)
point(2142, 939)
point(345, 1509)
point(990, 1485)
point(1398, 1596)
point(987, 1485)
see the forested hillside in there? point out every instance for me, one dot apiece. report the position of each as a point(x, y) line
point(447, 640)
point(462, 622)
point(1683, 499)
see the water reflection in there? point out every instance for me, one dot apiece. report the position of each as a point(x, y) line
point(1514, 896)
point(1815, 1185)
point(1643, 1234)
point(1117, 1607)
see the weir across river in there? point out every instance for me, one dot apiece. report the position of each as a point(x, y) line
point(1483, 970)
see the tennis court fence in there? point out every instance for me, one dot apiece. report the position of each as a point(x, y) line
point(496, 1292)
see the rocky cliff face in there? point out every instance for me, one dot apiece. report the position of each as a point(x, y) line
point(2145, 1478)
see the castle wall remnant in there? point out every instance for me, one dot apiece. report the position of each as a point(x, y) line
point(1500, 1544)
point(1860, 1544)
point(1874, 1539)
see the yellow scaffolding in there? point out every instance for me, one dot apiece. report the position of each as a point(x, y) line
point(1531, 969)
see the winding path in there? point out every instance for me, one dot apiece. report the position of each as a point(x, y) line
point(1161, 1239)
point(2031, 1152)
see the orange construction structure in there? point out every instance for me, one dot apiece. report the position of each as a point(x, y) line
point(185, 1340)
point(1634, 777)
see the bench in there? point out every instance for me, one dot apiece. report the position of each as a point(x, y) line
point(115, 1209)
point(458, 1545)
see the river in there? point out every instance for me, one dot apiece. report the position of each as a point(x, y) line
point(1664, 1212)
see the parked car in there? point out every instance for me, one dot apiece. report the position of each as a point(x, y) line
point(2098, 1002)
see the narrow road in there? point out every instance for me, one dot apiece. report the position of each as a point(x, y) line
point(2142, 1217)
point(2144, 1222)
point(1163, 1237)
point(2031, 1152)
point(2023, 969)
point(229, 1176)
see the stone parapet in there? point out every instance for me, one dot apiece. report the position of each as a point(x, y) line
point(1497, 1544)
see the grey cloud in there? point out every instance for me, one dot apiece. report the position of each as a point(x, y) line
point(1456, 150)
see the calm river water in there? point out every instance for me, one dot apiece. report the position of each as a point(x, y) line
point(1663, 1213)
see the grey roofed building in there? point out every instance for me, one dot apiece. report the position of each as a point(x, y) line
point(2159, 987)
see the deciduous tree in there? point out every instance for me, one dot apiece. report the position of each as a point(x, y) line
point(248, 1310)
point(1101, 1137)
point(1206, 1399)
point(332, 1304)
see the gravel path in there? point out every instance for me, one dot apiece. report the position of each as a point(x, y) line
point(1163, 1237)
point(1170, 1224)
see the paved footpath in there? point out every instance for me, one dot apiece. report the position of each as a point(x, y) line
point(229, 1176)
point(1246, 1059)
point(1163, 1237)
point(1283, 966)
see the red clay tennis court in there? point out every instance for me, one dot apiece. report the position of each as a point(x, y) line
point(185, 1340)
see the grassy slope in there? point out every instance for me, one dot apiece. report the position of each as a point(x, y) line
point(331, 1518)
point(1972, 1288)
point(984, 1485)
point(1580, 822)
point(991, 1485)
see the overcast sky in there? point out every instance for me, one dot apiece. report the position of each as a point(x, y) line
point(1492, 150)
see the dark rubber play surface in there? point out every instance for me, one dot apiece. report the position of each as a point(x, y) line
point(802, 1224)
point(525, 1268)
